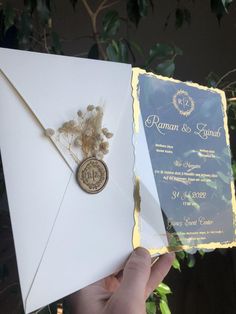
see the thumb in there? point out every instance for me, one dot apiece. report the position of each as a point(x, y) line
point(136, 273)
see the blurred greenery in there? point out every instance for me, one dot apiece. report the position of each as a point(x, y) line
point(32, 28)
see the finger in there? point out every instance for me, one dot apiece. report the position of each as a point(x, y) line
point(111, 283)
point(136, 273)
point(119, 276)
point(158, 272)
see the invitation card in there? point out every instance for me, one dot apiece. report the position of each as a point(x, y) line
point(182, 165)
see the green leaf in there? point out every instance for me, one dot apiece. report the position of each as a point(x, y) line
point(179, 18)
point(178, 51)
point(56, 44)
point(187, 16)
point(234, 169)
point(9, 16)
point(191, 261)
point(212, 79)
point(113, 51)
point(182, 16)
point(151, 307)
point(133, 13)
point(130, 50)
point(163, 289)
point(93, 52)
point(176, 264)
point(25, 29)
point(180, 255)
point(117, 51)
point(137, 48)
point(123, 52)
point(143, 7)
point(226, 4)
point(166, 68)
point(164, 307)
point(44, 10)
point(201, 252)
point(220, 7)
point(160, 51)
point(111, 23)
point(73, 2)
point(31, 5)
point(136, 9)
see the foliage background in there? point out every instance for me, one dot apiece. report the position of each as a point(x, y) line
point(192, 40)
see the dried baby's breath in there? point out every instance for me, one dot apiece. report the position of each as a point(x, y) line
point(98, 108)
point(80, 113)
point(99, 155)
point(49, 132)
point(89, 132)
point(84, 133)
point(90, 107)
point(78, 142)
point(103, 147)
point(104, 131)
point(109, 135)
point(72, 123)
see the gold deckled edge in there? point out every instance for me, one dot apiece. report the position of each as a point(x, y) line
point(224, 109)
point(137, 205)
point(136, 111)
point(136, 240)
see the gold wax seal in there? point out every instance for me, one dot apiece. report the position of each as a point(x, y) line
point(92, 175)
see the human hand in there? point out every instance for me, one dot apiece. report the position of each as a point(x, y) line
point(126, 292)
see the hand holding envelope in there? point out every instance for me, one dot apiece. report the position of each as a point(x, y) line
point(66, 238)
point(126, 292)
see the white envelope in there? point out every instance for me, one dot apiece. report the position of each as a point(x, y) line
point(65, 238)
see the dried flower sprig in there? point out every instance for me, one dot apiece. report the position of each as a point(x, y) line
point(85, 134)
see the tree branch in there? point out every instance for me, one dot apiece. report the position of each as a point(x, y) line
point(87, 7)
point(8, 287)
point(232, 99)
point(100, 7)
point(229, 85)
point(45, 40)
point(224, 76)
point(93, 18)
point(110, 4)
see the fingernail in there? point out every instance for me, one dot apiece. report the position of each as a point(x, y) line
point(140, 251)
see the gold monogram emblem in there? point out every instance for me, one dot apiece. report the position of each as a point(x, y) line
point(92, 175)
point(183, 103)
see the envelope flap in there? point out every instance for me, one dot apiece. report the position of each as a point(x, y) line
point(56, 87)
point(34, 191)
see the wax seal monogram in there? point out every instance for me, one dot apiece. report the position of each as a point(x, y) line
point(92, 175)
point(85, 136)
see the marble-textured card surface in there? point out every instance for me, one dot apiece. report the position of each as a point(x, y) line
point(181, 140)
